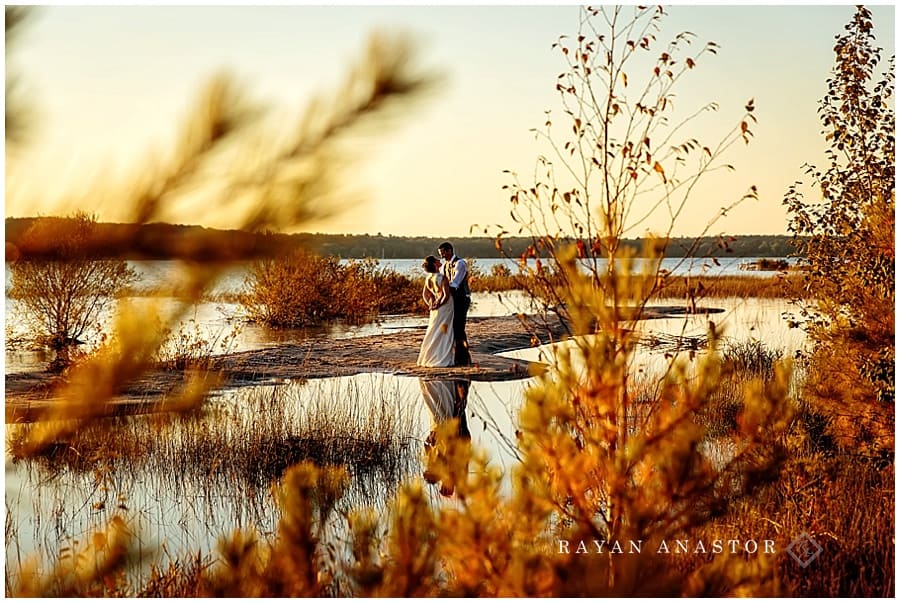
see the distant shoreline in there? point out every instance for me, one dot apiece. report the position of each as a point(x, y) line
point(174, 241)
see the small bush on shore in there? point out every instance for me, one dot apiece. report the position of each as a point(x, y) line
point(396, 293)
point(500, 278)
point(305, 289)
point(294, 291)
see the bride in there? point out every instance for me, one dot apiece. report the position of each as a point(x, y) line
point(437, 347)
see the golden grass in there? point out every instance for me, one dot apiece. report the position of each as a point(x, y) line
point(788, 285)
point(845, 504)
point(253, 438)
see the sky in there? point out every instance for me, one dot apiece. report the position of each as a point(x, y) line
point(109, 84)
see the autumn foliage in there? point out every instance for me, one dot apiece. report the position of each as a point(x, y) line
point(845, 239)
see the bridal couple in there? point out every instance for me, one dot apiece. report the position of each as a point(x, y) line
point(447, 295)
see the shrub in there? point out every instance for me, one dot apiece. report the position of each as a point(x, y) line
point(845, 240)
point(356, 293)
point(306, 289)
point(293, 291)
point(398, 294)
point(64, 295)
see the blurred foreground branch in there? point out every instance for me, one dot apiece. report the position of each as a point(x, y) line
point(285, 189)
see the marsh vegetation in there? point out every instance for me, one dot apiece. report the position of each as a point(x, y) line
point(697, 428)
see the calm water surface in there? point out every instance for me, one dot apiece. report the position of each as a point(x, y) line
point(51, 505)
point(215, 321)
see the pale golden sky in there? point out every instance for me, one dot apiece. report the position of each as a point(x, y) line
point(109, 83)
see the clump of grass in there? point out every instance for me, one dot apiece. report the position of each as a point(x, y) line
point(190, 347)
point(750, 357)
point(254, 437)
point(767, 264)
point(743, 363)
point(707, 286)
point(332, 428)
point(500, 278)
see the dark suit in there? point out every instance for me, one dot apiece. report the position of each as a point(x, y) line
point(461, 302)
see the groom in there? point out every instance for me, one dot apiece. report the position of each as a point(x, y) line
point(457, 274)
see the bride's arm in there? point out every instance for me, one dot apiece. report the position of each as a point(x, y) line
point(427, 295)
point(445, 293)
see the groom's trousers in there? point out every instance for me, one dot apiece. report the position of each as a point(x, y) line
point(461, 303)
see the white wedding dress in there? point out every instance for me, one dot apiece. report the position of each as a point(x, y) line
point(440, 398)
point(437, 347)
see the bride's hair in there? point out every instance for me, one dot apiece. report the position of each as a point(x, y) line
point(430, 264)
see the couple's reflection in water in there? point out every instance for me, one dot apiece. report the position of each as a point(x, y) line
point(447, 447)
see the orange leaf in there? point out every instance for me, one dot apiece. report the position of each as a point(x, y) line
point(659, 170)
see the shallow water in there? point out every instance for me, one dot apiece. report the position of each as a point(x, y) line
point(737, 320)
point(51, 505)
point(218, 320)
point(54, 505)
point(160, 272)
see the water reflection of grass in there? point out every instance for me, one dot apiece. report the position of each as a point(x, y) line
point(188, 480)
point(251, 437)
point(368, 432)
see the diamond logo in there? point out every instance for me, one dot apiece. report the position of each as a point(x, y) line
point(804, 549)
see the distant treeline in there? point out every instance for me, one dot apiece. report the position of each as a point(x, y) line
point(167, 241)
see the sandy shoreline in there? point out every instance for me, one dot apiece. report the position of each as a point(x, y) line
point(394, 353)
